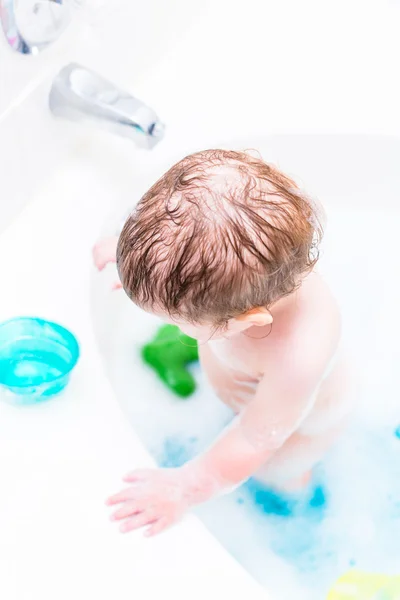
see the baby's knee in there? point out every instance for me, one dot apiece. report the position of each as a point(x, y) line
point(289, 462)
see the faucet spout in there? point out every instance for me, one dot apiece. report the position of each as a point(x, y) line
point(79, 94)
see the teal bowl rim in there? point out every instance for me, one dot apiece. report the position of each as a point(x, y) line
point(69, 336)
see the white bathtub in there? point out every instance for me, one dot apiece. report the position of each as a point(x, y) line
point(61, 188)
point(357, 178)
point(64, 457)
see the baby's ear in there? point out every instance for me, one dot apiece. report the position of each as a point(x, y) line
point(258, 317)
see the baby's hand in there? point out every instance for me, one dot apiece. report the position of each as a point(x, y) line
point(104, 252)
point(156, 499)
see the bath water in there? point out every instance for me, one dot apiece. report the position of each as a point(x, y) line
point(25, 368)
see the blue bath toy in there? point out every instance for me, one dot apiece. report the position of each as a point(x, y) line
point(36, 359)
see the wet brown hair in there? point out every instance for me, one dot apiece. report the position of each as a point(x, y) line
point(220, 233)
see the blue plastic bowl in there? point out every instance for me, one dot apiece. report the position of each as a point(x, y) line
point(36, 359)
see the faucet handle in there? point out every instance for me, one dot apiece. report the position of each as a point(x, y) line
point(32, 25)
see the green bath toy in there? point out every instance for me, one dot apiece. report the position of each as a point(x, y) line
point(357, 585)
point(168, 354)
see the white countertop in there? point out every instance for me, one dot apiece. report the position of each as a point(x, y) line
point(234, 72)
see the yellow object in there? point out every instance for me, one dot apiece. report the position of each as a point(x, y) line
point(357, 585)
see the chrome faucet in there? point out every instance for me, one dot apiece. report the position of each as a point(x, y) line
point(31, 25)
point(80, 94)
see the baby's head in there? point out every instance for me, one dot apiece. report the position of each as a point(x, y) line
point(216, 242)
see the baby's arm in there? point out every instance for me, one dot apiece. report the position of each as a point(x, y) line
point(159, 497)
point(282, 401)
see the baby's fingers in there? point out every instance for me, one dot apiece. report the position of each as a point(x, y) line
point(127, 510)
point(123, 496)
point(136, 522)
point(157, 527)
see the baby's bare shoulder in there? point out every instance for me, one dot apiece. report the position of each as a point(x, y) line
point(304, 345)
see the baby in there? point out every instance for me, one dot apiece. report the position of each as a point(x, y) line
point(224, 246)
